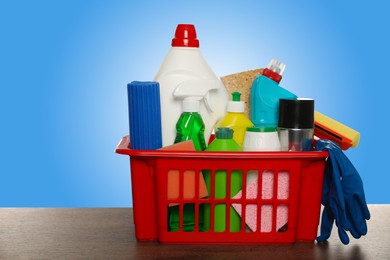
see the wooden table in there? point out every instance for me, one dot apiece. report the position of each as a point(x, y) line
point(108, 233)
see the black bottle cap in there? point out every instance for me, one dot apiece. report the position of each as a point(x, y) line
point(296, 113)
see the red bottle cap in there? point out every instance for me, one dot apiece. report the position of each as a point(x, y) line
point(272, 75)
point(185, 36)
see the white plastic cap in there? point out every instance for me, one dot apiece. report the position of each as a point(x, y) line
point(276, 66)
point(191, 105)
point(235, 105)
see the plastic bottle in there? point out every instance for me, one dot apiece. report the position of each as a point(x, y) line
point(265, 139)
point(223, 142)
point(190, 125)
point(265, 95)
point(184, 63)
point(260, 139)
point(236, 119)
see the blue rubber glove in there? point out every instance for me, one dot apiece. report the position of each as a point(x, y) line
point(342, 196)
point(332, 198)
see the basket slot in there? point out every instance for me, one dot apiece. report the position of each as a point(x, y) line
point(184, 194)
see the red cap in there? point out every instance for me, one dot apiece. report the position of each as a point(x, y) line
point(272, 75)
point(185, 36)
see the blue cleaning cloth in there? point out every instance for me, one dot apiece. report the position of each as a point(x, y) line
point(342, 196)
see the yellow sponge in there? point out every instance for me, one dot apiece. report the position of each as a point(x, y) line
point(328, 128)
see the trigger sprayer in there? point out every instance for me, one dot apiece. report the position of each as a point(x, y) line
point(190, 125)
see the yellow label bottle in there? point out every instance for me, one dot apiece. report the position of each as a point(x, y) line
point(236, 119)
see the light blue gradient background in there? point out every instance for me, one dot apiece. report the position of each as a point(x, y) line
point(65, 66)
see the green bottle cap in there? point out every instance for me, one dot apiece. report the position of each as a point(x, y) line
point(259, 129)
point(224, 133)
point(236, 96)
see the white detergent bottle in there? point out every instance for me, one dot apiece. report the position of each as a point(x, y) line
point(185, 63)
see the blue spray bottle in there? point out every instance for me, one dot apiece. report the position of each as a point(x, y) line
point(265, 95)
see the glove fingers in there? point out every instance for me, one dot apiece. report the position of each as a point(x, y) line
point(342, 224)
point(343, 236)
point(356, 223)
point(357, 218)
point(326, 225)
point(357, 232)
point(366, 212)
point(361, 201)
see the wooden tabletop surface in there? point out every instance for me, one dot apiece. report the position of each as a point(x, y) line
point(108, 233)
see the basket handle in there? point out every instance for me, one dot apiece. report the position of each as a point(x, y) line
point(123, 146)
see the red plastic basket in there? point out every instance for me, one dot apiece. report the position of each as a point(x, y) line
point(149, 176)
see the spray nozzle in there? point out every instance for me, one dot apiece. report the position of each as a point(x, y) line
point(193, 91)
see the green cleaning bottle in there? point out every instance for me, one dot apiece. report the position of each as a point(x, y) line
point(223, 142)
point(190, 125)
